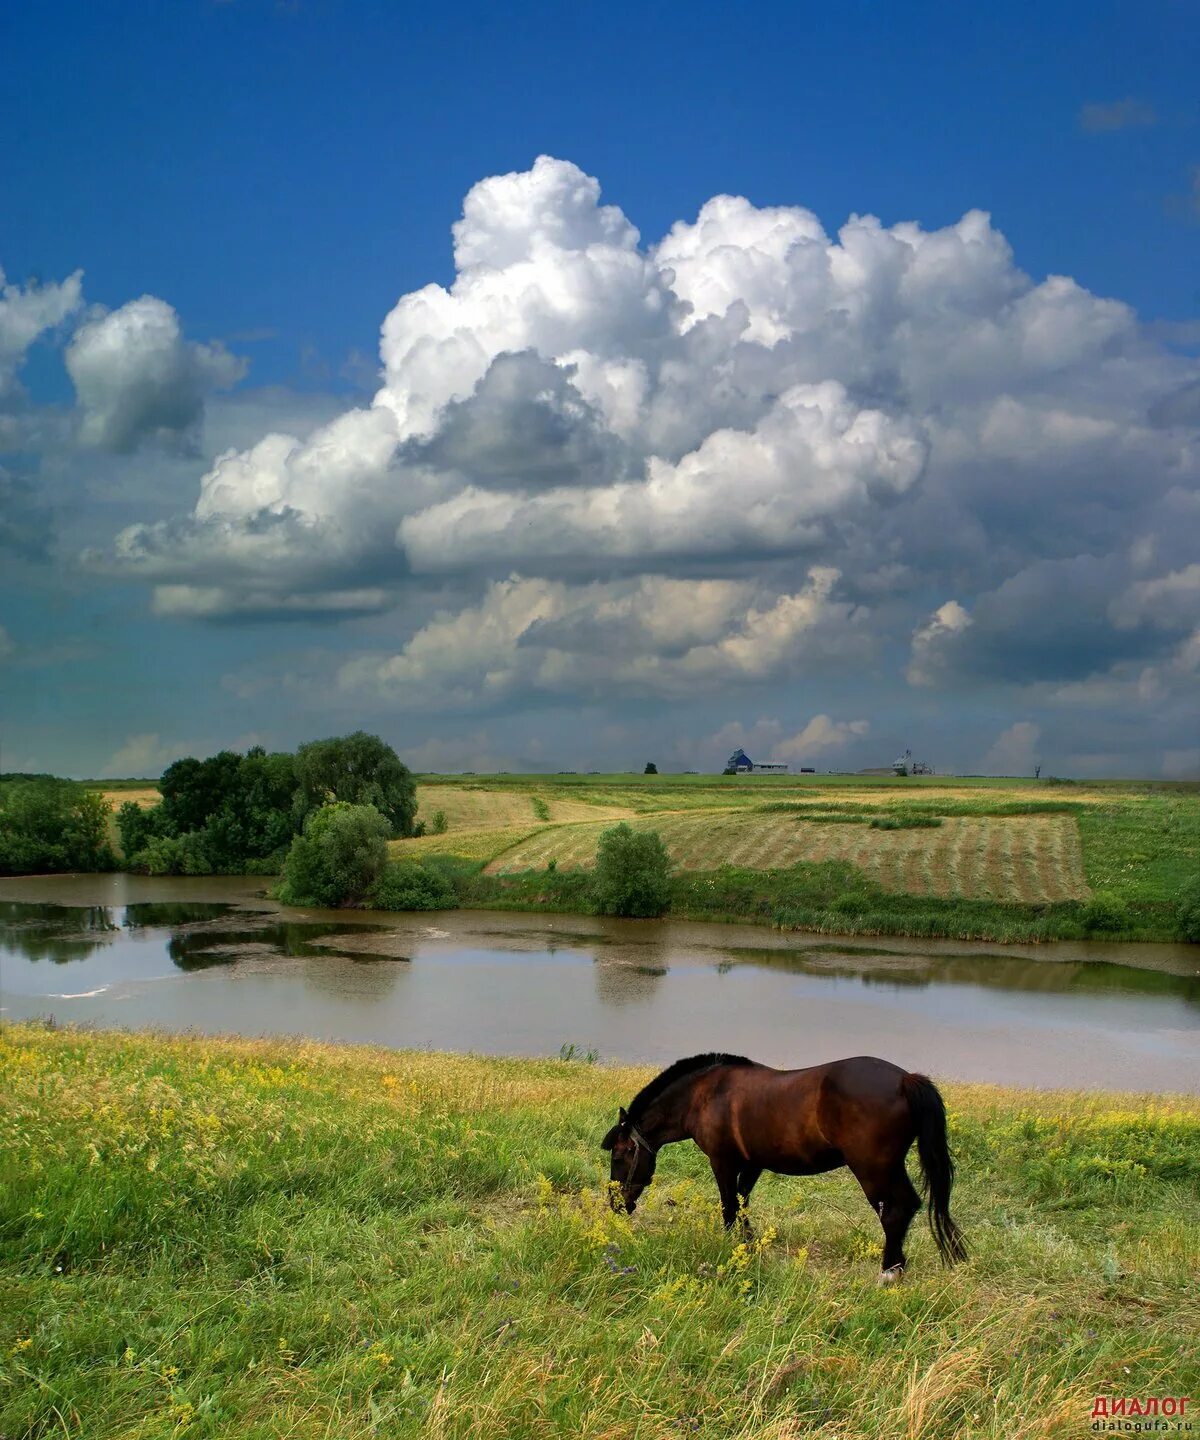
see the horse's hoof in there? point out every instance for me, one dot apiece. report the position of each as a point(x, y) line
point(891, 1275)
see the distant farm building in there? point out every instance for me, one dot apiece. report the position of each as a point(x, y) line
point(906, 765)
point(741, 764)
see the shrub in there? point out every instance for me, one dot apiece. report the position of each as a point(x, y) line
point(339, 857)
point(1189, 911)
point(1105, 913)
point(633, 873)
point(175, 855)
point(408, 885)
point(651, 768)
point(438, 825)
point(905, 822)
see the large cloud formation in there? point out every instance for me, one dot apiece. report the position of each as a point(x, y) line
point(640, 464)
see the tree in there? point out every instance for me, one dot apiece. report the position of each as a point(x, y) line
point(137, 825)
point(633, 872)
point(233, 811)
point(339, 857)
point(256, 819)
point(359, 769)
point(53, 825)
point(195, 790)
point(651, 768)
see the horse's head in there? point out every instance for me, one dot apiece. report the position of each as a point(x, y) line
point(633, 1162)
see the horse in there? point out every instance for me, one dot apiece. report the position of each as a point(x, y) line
point(863, 1113)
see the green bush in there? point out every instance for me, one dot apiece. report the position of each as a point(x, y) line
point(175, 855)
point(438, 825)
point(337, 860)
point(1105, 913)
point(633, 873)
point(1189, 911)
point(408, 885)
point(53, 825)
point(905, 822)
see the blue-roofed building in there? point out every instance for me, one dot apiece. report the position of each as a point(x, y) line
point(742, 764)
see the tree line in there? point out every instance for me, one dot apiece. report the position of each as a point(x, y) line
point(228, 814)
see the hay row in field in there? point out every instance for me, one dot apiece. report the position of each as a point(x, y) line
point(478, 807)
point(1028, 858)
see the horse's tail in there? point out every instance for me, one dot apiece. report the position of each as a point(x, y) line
point(929, 1116)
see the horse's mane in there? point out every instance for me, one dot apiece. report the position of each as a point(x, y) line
point(694, 1063)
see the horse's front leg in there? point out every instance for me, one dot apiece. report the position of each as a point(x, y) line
point(747, 1179)
point(725, 1172)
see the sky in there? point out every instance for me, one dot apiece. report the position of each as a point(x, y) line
point(549, 387)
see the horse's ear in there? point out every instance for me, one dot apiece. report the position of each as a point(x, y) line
point(622, 1116)
point(611, 1138)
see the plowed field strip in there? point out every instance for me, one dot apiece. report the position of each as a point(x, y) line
point(1034, 858)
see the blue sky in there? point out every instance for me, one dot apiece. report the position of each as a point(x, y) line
point(279, 176)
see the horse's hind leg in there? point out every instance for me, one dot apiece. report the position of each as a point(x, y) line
point(895, 1201)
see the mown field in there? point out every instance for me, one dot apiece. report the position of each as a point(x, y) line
point(208, 1238)
point(1028, 858)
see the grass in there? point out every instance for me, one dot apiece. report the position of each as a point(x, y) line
point(206, 1238)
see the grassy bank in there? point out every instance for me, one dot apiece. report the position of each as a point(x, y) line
point(215, 1238)
point(831, 898)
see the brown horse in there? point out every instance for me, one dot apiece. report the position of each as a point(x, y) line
point(863, 1113)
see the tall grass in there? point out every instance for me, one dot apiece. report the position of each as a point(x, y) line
point(204, 1238)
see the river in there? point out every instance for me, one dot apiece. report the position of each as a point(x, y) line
point(216, 956)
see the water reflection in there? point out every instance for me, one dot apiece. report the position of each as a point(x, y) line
point(620, 983)
point(195, 935)
point(54, 932)
point(361, 979)
point(905, 970)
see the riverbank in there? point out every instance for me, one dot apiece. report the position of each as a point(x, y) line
point(215, 1237)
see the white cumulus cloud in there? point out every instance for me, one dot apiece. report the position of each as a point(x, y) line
point(137, 378)
point(27, 311)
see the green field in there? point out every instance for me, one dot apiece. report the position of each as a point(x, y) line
point(203, 1238)
point(968, 857)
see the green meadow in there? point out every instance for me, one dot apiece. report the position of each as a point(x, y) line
point(215, 1238)
point(1009, 860)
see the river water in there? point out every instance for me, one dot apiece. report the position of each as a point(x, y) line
point(216, 956)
